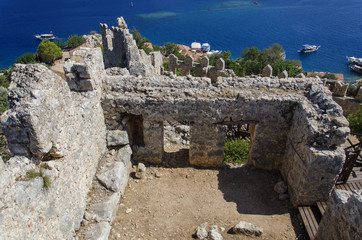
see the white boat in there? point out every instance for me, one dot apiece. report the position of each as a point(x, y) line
point(205, 47)
point(354, 60)
point(306, 48)
point(45, 36)
point(356, 68)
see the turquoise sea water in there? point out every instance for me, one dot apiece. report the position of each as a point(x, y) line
point(227, 25)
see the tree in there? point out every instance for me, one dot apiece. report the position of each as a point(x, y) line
point(276, 53)
point(75, 41)
point(49, 52)
point(26, 58)
point(252, 54)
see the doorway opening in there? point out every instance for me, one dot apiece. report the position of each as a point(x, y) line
point(238, 141)
point(176, 143)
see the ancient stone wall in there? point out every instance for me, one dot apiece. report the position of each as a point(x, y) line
point(342, 219)
point(59, 134)
point(202, 69)
point(299, 130)
point(120, 50)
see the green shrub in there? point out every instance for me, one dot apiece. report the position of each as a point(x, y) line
point(4, 150)
point(26, 58)
point(236, 151)
point(4, 104)
point(355, 122)
point(49, 52)
point(165, 66)
point(60, 43)
point(75, 41)
point(5, 78)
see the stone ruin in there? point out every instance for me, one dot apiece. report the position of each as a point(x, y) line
point(202, 69)
point(81, 132)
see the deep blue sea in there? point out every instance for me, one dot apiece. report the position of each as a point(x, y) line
point(336, 25)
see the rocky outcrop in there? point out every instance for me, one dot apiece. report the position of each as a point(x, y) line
point(55, 131)
point(342, 219)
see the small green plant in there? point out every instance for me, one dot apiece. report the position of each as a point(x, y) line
point(236, 151)
point(4, 151)
point(75, 41)
point(34, 174)
point(355, 122)
point(26, 58)
point(49, 52)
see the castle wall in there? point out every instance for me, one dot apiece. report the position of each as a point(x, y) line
point(55, 131)
point(299, 127)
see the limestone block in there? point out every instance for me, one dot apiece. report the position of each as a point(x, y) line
point(172, 61)
point(247, 229)
point(267, 71)
point(106, 209)
point(215, 235)
point(117, 138)
point(110, 175)
point(157, 61)
point(124, 154)
point(204, 62)
point(342, 219)
point(283, 74)
point(98, 231)
point(220, 64)
point(300, 75)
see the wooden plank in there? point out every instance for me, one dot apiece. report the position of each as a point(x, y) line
point(322, 206)
point(313, 220)
point(307, 223)
point(348, 187)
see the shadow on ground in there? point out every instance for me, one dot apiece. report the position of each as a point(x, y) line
point(253, 192)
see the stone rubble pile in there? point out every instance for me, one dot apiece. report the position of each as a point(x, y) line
point(108, 187)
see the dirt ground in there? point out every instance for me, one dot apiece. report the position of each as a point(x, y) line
point(173, 205)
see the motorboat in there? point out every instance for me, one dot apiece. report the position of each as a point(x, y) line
point(205, 47)
point(307, 48)
point(45, 36)
point(356, 68)
point(355, 61)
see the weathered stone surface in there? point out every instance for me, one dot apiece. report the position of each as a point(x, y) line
point(99, 231)
point(120, 50)
point(267, 71)
point(342, 219)
point(124, 155)
point(110, 175)
point(283, 74)
point(117, 71)
point(107, 208)
point(141, 171)
point(201, 232)
point(340, 89)
point(280, 187)
point(46, 119)
point(220, 64)
point(247, 229)
point(215, 235)
point(117, 138)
